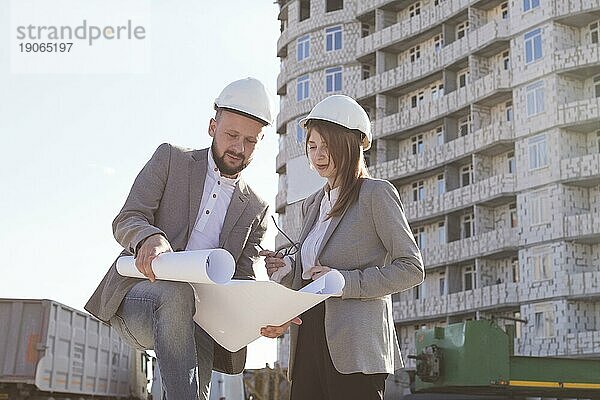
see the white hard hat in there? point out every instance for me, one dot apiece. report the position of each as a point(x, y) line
point(247, 96)
point(344, 111)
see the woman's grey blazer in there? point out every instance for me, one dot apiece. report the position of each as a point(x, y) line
point(372, 246)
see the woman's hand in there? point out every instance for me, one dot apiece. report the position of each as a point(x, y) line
point(273, 261)
point(272, 332)
point(318, 271)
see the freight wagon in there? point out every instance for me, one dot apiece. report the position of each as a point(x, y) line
point(52, 351)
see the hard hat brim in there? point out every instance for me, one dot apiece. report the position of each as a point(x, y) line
point(366, 144)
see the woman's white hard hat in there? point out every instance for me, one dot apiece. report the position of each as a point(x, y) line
point(344, 111)
point(247, 96)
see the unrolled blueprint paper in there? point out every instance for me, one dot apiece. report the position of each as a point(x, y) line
point(233, 311)
point(198, 266)
point(232, 314)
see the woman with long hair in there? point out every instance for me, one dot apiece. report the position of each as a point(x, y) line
point(345, 347)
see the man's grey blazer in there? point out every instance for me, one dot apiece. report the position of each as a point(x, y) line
point(165, 198)
point(372, 246)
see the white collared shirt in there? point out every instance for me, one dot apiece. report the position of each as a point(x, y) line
point(311, 244)
point(217, 194)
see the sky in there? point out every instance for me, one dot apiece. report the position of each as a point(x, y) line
point(72, 143)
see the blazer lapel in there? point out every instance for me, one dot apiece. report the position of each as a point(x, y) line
point(333, 223)
point(313, 213)
point(198, 166)
point(239, 201)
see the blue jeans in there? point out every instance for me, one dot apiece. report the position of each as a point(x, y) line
point(159, 316)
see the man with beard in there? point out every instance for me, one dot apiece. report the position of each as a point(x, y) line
point(188, 200)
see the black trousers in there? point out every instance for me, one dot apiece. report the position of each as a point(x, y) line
point(315, 377)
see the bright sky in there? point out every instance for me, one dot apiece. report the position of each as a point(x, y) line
point(71, 145)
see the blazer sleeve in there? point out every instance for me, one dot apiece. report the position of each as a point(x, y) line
point(406, 268)
point(244, 266)
point(135, 221)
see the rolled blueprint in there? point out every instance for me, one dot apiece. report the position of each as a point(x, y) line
point(198, 266)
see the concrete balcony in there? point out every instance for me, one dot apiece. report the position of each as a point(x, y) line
point(581, 171)
point(583, 227)
point(408, 28)
point(484, 88)
point(480, 245)
point(571, 12)
point(487, 297)
point(280, 200)
point(475, 40)
point(364, 6)
point(481, 140)
point(485, 191)
point(583, 343)
point(580, 60)
point(292, 109)
point(580, 115)
point(315, 22)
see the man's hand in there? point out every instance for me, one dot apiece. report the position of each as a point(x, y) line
point(318, 271)
point(273, 261)
point(272, 332)
point(151, 247)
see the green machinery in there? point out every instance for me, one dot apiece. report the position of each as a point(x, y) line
point(476, 357)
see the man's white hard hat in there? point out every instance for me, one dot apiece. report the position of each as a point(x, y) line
point(344, 111)
point(247, 96)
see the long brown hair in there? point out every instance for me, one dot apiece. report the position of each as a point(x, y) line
point(344, 146)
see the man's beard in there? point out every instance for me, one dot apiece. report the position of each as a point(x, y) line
point(223, 168)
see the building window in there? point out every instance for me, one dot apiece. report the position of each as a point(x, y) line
point(442, 284)
point(535, 98)
point(333, 80)
point(441, 184)
point(334, 5)
point(439, 135)
point(438, 43)
point(510, 160)
point(515, 269)
point(538, 152)
point(414, 9)
point(512, 208)
point(461, 29)
point(466, 175)
point(365, 30)
point(597, 85)
point(417, 296)
point(504, 10)
point(542, 269)
point(509, 111)
point(539, 208)
point(304, 10)
point(438, 2)
point(506, 60)
point(437, 91)
point(303, 47)
point(419, 234)
point(415, 53)
point(544, 324)
point(469, 279)
point(417, 144)
point(594, 33)
point(530, 4)
point(463, 78)
point(300, 131)
point(533, 45)
point(464, 126)
point(418, 189)
point(441, 233)
point(467, 226)
point(598, 139)
point(302, 88)
point(417, 99)
point(333, 38)
point(366, 72)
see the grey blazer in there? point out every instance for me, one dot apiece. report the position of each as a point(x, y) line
point(372, 246)
point(165, 198)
